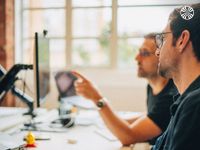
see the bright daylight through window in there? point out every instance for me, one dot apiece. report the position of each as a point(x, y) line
point(99, 33)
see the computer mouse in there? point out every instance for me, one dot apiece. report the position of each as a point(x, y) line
point(67, 122)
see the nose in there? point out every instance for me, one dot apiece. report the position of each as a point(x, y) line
point(157, 52)
point(137, 57)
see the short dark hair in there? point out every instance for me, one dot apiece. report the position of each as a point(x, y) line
point(178, 25)
point(150, 36)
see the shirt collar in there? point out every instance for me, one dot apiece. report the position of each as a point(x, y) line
point(193, 86)
point(174, 106)
point(178, 98)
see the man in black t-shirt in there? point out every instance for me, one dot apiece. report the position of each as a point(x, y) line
point(160, 95)
point(179, 58)
point(158, 106)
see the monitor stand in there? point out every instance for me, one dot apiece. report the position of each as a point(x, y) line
point(26, 99)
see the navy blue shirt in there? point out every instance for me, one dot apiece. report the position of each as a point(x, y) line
point(183, 132)
point(158, 106)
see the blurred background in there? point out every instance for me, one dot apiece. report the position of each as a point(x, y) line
point(99, 38)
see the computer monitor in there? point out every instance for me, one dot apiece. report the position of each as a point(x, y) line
point(41, 67)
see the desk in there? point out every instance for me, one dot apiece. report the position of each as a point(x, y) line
point(85, 136)
point(86, 139)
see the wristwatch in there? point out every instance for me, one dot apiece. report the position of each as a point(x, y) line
point(101, 103)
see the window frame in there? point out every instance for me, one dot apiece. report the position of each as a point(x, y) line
point(68, 35)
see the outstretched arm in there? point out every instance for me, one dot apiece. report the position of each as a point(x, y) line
point(140, 130)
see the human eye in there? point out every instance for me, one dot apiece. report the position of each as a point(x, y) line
point(145, 53)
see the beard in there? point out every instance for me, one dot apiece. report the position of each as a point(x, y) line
point(141, 73)
point(164, 71)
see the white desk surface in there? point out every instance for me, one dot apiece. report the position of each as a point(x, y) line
point(86, 137)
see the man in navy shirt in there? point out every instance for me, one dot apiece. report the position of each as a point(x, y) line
point(179, 59)
point(160, 93)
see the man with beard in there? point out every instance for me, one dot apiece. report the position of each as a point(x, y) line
point(179, 59)
point(160, 93)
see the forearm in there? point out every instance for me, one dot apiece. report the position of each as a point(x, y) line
point(141, 130)
point(134, 118)
point(119, 127)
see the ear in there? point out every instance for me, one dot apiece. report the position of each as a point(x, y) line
point(183, 40)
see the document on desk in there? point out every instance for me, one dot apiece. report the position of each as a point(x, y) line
point(86, 118)
point(10, 142)
point(9, 122)
point(9, 111)
point(105, 133)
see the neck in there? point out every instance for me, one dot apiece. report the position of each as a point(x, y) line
point(185, 76)
point(157, 84)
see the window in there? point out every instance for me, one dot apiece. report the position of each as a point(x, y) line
point(99, 33)
point(91, 32)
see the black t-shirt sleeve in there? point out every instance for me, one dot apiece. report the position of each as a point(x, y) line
point(160, 112)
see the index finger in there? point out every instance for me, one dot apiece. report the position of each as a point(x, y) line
point(78, 75)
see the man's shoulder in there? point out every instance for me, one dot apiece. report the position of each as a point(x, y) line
point(195, 95)
point(192, 99)
point(169, 89)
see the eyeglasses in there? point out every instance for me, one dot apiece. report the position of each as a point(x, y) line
point(159, 38)
point(145, 53)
